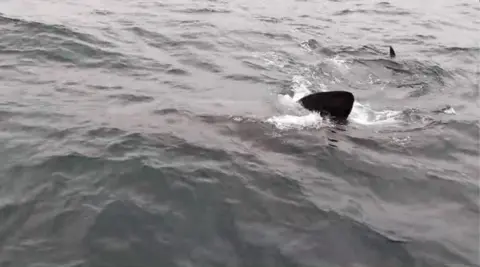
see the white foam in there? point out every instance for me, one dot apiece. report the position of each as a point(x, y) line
point(363, 114)
point(342, 63)
point(305, 46)
point(300, 87)
point(450, 111)
point(284, 122)
point(297, 117)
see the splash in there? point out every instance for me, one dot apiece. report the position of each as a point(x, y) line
point(300, 118)
point(285, 122)
point(449, 111)
point(364, 115)
point(297, 117)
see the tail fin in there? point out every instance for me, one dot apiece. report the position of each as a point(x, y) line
point(392, 52)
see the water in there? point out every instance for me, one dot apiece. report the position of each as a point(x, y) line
point(150, 133)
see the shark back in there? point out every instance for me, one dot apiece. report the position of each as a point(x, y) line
point(336, 104)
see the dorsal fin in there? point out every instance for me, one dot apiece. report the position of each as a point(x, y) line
point(336, 104)
point(392, 52)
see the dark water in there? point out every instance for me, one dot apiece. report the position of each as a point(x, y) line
point(154, 133)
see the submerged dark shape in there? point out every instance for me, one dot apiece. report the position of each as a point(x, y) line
point(335, 104)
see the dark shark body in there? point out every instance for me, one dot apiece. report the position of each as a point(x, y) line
point(334, 104)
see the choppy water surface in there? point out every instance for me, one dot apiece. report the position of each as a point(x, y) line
point(166, 133)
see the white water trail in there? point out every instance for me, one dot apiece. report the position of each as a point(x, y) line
point(297, 117)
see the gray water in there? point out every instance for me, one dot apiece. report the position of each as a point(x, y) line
point(156, 133)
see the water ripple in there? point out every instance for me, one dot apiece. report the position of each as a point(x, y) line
point(146, 133)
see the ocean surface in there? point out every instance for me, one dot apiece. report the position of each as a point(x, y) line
point(167, 133)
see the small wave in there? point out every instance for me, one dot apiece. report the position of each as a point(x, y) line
point(469, 129)
point(240, 77)
point(275, 58)
point(58, 43)
point(374, 11)
point(446, 50)
point(156, 39)
point(201, 64)
point(33, 27)
point(170, 111)
point(261, 34)
point(189, 23)
point(104, 132)
point(132, 98)
point(272, 19)
point(178, 71)
point(104, 87)
point(202, 11)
